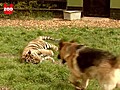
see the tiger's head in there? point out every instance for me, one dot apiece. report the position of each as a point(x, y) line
point(30, 58)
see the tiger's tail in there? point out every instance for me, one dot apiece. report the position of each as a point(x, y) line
point(51, 46)
point(48, 38)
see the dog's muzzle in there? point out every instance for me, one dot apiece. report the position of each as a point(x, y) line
point(63, 61)
point(58, 56)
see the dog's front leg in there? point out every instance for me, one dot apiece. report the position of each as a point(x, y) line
point(75, 81)
point(85, 83)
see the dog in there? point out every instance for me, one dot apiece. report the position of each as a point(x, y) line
point(87, 63)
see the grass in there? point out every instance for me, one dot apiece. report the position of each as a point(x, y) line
point(47, 76)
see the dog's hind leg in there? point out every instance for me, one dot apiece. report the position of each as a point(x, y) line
point(108, 87)
point(109, 79)
point(117, 78)
point(108, 84)
point(118, 84)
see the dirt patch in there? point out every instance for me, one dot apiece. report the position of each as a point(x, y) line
point(6, 55)
point(57, 22)
point(4, 88)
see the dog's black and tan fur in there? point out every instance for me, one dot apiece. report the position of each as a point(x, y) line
point(86, 63)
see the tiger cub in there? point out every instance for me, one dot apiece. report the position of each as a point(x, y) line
point(38, 50)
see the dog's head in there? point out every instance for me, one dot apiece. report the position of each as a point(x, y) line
point(65, 48)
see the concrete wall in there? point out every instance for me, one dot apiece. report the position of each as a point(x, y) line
point(79, 3)
point(115, 9)
point(115, 4)
point(75, 3)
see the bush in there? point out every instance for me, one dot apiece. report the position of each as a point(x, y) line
point(24, 10)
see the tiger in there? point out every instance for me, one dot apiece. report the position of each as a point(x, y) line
point(39, 50)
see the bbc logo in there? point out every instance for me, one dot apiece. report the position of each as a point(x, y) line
point(8, 9)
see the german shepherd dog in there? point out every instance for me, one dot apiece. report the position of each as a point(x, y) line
point(86, 63)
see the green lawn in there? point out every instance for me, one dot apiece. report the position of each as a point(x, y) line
point(47, 76)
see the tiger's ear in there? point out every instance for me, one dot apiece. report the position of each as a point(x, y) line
point(29, 52)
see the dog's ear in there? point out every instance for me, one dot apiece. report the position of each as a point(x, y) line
point(63, 61)
point(72, 41)
point(61, 43)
